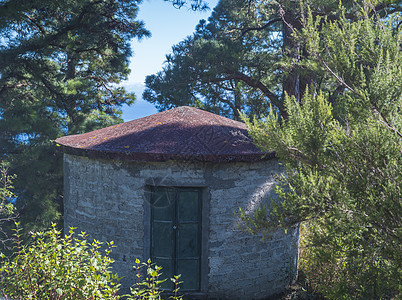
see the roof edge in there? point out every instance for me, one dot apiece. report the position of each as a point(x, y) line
point(162, 157)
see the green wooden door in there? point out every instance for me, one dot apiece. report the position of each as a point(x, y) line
point(176, 234)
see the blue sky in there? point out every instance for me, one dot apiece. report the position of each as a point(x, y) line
point(168, 26)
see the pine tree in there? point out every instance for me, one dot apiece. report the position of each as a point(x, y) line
point(246, 57)
point(60, 63)
point(343, 157)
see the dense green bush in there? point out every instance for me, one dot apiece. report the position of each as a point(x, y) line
point(55, 267)
point(343, 155)
point(7, 209)
point(335, 273)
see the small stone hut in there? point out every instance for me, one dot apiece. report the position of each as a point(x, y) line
point(167, 187)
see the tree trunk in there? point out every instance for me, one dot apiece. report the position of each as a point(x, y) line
point(296, 79)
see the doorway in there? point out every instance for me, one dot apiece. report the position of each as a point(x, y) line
point(176, 234)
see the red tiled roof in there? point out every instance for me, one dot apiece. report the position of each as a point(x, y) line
point(183, 133)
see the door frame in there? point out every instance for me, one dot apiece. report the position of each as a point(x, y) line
point(205, 210)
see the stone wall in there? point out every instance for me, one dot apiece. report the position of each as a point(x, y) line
point(110, 201)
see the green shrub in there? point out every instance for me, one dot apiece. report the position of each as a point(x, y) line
point(7, 209)
point(53, 267)
point(58, 268)
point(332, 272)
point(148, 288)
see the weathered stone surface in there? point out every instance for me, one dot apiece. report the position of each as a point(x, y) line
point(110, 201)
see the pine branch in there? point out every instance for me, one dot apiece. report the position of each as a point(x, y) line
point(385, 122)
point(340, 80)
point(248, 29)
point(399, 24)
point(36, 24)
point(376, 110)
point(256, 84)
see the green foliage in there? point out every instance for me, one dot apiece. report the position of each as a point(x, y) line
point(219, 68)
point(6, 194)
point(7, 209)
point(60, 66)
point(71, 267)
point(53, 267)
point(347, 186)
point(192, 4)
point(342, 153)
point(149, 288)
point(246, 56)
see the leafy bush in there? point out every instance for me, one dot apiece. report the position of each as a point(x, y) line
point(53, 267)
point(7, 209)
point(149, 287)
point(333, 272)
point(343, 158)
